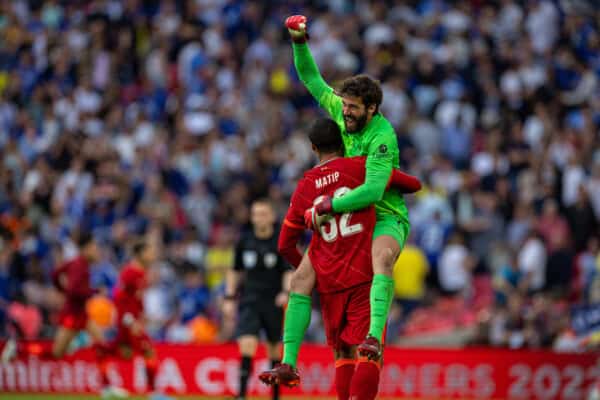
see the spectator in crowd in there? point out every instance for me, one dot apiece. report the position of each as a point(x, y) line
point(508, 281)
point(194, 296)
point(410, 273)
point(532, 262)
point(455, 266)
point(431, 238)
point(581, 218)
point(552, 226)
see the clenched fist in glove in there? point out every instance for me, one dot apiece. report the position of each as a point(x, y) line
point(296, 25)
point(319, 213)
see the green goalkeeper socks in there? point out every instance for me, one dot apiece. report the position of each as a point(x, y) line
point(297, 318)
point(382, 293)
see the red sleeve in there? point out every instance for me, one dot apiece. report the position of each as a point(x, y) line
point(302, 199)
point(293, 224)
point(404, 182)
point(287, 245)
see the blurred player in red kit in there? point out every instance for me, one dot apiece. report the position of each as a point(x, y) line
point(72, 278)
point(131, 337)
point(340, 253)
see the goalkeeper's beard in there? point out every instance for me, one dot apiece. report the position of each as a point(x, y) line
point(356, 123)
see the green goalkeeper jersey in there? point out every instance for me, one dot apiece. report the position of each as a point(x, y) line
point(377, 141)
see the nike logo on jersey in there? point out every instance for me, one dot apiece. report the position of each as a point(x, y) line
point(327, 179)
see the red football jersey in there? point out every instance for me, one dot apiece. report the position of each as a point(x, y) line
point(73, 278)
point(341, 252)
point(129, 291)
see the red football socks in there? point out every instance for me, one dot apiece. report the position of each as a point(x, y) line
point(344, 370)
point(151, 366)
point(365, 382)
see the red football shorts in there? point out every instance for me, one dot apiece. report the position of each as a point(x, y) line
point(346, 315)
point(72, 319)
point(140, 343)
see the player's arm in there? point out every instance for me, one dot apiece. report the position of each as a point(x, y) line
point(58, 277)
point(403, 182)
point(287, 244)
point(378, 172)
point(307, 69)
point(293, 224)
point(399, 180)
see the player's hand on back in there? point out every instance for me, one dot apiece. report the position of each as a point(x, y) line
point(296, 25)
point(315, 216)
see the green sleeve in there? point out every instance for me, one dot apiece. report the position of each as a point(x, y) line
point(311, 78)
point(378, 171)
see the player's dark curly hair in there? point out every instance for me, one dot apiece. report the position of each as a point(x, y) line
point(139, 246)
point(363, 87)
point(83, 238)
point(325, 135)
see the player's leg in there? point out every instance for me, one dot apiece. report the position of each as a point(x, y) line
point(151, 364)
point(345, 363)
point(388, 239)
point(48, 351)
point(61, 342)
point(105, 354)
point(298, 310)
point(335, 308)
point(11, 347)
point(365, 380)
point(95, 332)
point(56, 349)
point(297, 318)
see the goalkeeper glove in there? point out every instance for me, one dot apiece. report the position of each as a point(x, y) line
point(296, 25)
point(319, 213)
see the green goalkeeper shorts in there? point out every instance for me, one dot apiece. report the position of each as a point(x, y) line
point(392, 225)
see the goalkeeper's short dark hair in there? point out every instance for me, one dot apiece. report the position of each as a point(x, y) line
point(365, 88)
point(325, 135)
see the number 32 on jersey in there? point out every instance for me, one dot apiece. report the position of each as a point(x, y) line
point(329, 229)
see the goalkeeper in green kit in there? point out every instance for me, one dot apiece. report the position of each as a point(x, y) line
point(365, 132)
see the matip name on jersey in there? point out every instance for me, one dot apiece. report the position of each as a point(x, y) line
point(327, 179)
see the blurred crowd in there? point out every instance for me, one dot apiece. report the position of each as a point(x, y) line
point(167, 118)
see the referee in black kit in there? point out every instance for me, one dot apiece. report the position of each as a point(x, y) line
point(264, 278)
